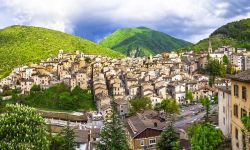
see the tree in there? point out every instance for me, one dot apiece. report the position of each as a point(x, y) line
point(23, 129)
point(216, 98)
point(66, 102)
point(56, 142)
point(211, 80)
point(112, 135)
point(35, 88)
point(246, 130)
point(157, 107)
point(67, 138)
point(169, 139)
point(215, 68)
point(189, 95)
point(230, 69)
point(87, 59)
point(170, 107)
point(206, 103)
point(14, 95)
point(225, 60)
point(59, 97)
point(204, 136)
point(139, 104)
point(246, 122)
point(1, 101)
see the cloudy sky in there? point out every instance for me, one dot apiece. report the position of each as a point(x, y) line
point(191, 20)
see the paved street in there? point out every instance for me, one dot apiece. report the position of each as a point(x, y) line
point(190, 118)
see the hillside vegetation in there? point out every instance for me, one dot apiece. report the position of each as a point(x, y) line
point(58, 98)
point(236, 34)
point(141, 41)
point(25, 44)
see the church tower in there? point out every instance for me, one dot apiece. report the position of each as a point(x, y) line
point(210, 49)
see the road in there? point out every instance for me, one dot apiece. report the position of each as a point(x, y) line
point(188, 119)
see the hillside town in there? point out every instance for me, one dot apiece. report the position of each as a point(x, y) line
point(120, 80)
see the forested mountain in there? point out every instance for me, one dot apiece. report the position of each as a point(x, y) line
point(141, 41)
point(25, 44)
point(236, 34)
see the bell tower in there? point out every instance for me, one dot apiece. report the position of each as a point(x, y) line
point(210, 49)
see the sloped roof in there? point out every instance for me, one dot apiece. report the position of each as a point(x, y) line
point(81, 136)
point(141, 121)
point(243, 76)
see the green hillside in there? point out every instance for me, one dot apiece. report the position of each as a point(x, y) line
point(141, 41)
point(24, 44)
point(236, 34)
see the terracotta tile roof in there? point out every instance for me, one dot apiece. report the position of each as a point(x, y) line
point(141, 121)
point(243, 76)
point(81, 136)
point(120, 101)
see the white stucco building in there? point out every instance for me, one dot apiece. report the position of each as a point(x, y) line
point(225, 111)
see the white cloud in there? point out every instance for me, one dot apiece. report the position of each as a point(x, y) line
point(62, 15)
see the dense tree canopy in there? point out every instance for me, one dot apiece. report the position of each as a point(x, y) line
point(235, 34)
point(204, 137)
point(21, 128)
point(225, 60)
point(112, 135)
point(141, 41)
point(170, 106)
point(246, 122)
point(216, 68)
point(246, 130)
point(139, 104)
point(189, 96)
point(206, 103)
point(67, 136)
point(169, 139)
point(59, 97)
point(64, 140)
point(230, 69)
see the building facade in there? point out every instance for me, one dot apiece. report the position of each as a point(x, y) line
point(225, 111)
point(240, 89)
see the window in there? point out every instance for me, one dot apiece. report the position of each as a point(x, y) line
point(224, 120)
point(236, 90)
point(244, 140)
point(152, 141)
point(244, 93)
point(223, 109)
point(236, 110)
point(142, 142)
point(223, 95)
point(236, 133)
point(243, 112)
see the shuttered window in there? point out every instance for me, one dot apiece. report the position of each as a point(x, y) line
point(244, 93)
